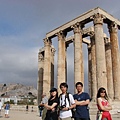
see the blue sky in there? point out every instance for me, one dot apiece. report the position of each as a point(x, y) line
point(24, 24)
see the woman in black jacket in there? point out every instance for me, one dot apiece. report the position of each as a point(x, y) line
point(52, 105)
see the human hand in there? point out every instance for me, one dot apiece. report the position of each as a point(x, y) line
point(65, 109)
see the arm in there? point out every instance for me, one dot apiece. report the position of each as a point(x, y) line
point(104, 108)
point(109, 107)
point(69, 108)
point(72, 106)
point(81, 103)
point(50, 107)
point(72, 102)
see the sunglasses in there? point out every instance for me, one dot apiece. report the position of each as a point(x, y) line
point(103, 92)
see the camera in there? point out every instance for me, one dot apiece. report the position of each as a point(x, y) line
point(61, 107)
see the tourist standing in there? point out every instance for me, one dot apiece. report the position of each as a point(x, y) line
point(7, 108)
point(41, 105)
point(52, 105)
point(26, 107)
point(66, 103)
point(82, 100)
point(103, 105)
point(44, 101)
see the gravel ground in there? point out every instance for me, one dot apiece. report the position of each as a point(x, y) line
point(23, 115)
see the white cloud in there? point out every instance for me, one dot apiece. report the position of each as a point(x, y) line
point(23, 25)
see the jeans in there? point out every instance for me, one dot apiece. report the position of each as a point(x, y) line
point(40, 113)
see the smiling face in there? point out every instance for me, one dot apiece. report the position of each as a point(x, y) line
point(53, 93)
point(102, 93)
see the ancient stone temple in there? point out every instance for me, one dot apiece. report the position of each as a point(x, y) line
point(103, 54)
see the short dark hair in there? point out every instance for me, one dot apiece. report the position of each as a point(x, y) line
point(79, 83)
point(64, 84)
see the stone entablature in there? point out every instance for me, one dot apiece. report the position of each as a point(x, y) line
point(84, 18)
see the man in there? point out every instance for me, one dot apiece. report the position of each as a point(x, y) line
point(44, 101)
point(82, 100)
point(66, 103)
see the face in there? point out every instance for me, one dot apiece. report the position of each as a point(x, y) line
point(102, 93)
point(79, 88)
point(63, 89)
point(53, 93)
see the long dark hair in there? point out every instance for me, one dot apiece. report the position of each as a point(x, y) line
point(100, 91)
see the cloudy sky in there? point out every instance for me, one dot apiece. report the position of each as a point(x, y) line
point(24, 24)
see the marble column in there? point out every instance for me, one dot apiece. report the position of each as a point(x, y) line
point(82, 69)
point(100, 51)
point(52, 66)
point(67, 45)
point(109, 68)
point(61, 76)
point(113, 30)
point(77, 53)
point(47, 67)
point(40, 77)
point(89, 70)
point(93, 69)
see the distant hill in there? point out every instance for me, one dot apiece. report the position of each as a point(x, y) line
point(17, 90)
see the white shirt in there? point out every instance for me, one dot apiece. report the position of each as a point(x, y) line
point(0, 105)
point(65, 114)
point(44, 100)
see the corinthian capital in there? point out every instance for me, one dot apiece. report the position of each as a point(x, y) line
point(61, 35)
point(77, 28)
point(98, 18)
point(113, 27)
point(91, 34)
point(47, 42)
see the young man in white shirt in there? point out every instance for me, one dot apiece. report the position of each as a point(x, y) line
point(66, 103)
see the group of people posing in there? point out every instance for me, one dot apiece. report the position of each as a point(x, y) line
point(67, 106)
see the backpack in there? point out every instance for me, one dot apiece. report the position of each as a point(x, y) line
point(73, 109)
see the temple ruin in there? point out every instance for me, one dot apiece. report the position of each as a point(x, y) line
point(103, 54)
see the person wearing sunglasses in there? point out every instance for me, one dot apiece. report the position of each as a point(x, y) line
point(103, 105)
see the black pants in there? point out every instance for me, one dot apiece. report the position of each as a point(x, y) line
point(51, 115)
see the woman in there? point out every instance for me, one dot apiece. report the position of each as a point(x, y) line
point(103, 105)
point(52, 105)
